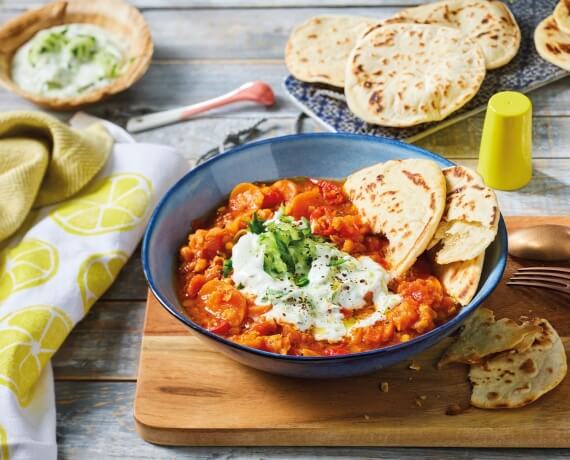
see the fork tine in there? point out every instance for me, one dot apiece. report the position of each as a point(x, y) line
point(545, 276)
point(538, 285)
point(549, 279)
point(544, 269)
point(554, 278)
point(558, 273)
point(562, 276)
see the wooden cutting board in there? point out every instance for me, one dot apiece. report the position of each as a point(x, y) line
point(188, 394)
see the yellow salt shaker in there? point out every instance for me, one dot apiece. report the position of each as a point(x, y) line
point(505, 156)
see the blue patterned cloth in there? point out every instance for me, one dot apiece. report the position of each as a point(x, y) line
point(527, 71)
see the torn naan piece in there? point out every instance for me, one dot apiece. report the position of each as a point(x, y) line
point(482, 336)
point(461, 279)
point(514, 379)
point(471, 218)
point(403, 200)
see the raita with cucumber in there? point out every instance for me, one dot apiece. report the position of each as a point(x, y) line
point(290, 267)
point(68, 60)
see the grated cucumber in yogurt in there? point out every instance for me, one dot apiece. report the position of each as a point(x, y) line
point(308, 281)
point(68, 60)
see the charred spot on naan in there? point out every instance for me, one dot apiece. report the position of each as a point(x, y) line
point(551, 25)
point(416, 178)
point(558, 48)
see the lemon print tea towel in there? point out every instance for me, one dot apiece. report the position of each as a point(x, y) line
point(55, 269)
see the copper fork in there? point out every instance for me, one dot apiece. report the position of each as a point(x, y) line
point(555, 278)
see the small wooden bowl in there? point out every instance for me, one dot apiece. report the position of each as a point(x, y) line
point(116, 16)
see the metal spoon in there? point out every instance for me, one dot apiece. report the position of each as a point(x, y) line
point(254, 91)
point(550, 243)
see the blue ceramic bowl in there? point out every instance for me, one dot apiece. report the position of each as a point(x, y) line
point(318, 155)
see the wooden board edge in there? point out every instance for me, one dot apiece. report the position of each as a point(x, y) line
point(315, 437)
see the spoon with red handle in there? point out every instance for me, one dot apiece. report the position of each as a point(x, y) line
point(254, 91)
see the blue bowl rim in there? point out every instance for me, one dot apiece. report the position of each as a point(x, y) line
point(465, 311)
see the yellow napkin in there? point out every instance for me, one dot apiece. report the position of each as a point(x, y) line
point(43, 161)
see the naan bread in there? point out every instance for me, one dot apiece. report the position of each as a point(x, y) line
point(515, 379)
point(406, 74)
point(482, 336)
point(471, 218)
point(461, 279)
point(562, 16)
point(402, 199)
point(489, 23)
point(552, 44)
point(318, 49)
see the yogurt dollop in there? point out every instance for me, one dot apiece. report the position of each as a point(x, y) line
point(336, 280)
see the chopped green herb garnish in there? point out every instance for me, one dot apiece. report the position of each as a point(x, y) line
point(336, 262)
point(274, 293)
point(240, 286)
point(227, 268)
point(256, 225)
point(302, 281)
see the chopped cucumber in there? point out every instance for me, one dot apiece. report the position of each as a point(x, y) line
point(109, 64)
point(289, 248)
point(83, 48)
point(50, 43)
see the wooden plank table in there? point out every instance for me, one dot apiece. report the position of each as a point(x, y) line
point(204, 48)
